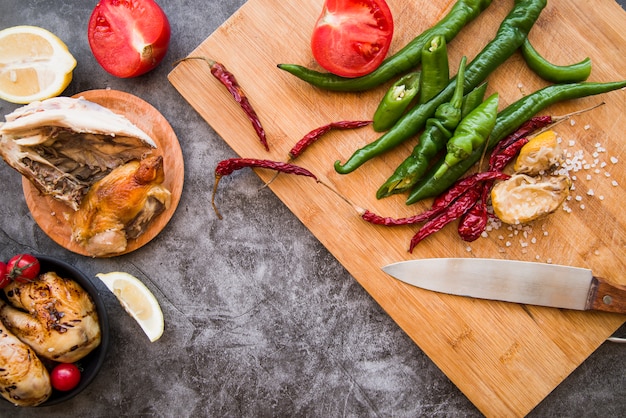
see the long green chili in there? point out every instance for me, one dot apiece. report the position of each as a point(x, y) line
point(508, 39)
point(395, 102)
point(471, 134)
point(435, 68)
point(434, 138)
point(463, 12)
point(572, 73)
point(507, 121)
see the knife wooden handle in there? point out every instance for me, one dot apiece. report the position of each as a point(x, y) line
point(606, 297)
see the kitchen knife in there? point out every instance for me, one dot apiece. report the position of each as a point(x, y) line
point(513, 281)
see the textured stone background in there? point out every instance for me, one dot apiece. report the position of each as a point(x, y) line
point(260, 319)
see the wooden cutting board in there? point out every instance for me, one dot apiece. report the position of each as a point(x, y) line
point(505, 357)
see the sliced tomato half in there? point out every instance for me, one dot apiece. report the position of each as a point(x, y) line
point(351, 38)
point(128, 37)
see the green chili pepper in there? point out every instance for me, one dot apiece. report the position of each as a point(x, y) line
point(508, 121)
point(471, 134)
point(473, 99)
point(555, 73)
point(396, 101)
point(463, 12)
point(435, 136)
point(435, 68)
point(508, 39)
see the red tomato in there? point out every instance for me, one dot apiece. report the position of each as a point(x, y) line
point(128, 37)
point(351, 38)
point(65, 376)
point(4, 277)
point(23, 268)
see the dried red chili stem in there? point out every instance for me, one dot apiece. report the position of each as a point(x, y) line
point(229, 81)
point(228, 166)
point(454, 211)
point(317, 133)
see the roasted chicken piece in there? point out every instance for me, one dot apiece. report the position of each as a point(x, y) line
point(54, 316)
point(63, 145)
point(120, 206)
point(24, 380)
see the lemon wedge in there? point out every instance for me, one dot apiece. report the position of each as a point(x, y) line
point(137, 300)
point(34, 64)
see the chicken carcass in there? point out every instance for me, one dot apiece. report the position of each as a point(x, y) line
point(120, 206)
point(24, 380)
point(54, 316)
point(63, 145)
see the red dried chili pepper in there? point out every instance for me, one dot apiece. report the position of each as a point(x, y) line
point(454, 211)
point(466, 183)
point(525, 129)
point(226, 167)
point(387, 221)
point(317, 133)
point(440, 205)
point(228, 79)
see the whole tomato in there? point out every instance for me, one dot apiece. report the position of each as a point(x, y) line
point(128, 38)
point(65, 376)
point(23, 268)
point(4, 277)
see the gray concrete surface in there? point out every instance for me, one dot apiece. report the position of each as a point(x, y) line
point(260, 319)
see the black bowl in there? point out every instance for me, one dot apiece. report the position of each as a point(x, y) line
point(90, 365)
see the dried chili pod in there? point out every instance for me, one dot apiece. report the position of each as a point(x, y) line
point(229, 81)
point(226, 167)
point(454, 211)
point(317, 133)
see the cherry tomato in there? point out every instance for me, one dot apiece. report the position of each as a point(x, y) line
point(65, 376)
point(4, 277)
point(351, 38)
point(128, 37)
point(23, 268)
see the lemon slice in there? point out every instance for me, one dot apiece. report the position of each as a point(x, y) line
point(34, 64)
point(137, 300)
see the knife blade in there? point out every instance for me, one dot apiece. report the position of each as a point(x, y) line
point(515, 281)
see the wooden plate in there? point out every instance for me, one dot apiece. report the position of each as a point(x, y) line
point(53, 216)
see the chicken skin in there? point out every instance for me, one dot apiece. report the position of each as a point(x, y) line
point(63, 145)
point(54, 316)
point(120, 206)
point(24, 380)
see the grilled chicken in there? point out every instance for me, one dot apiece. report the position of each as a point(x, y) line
point(120, 206)
point(54, 316)
point(24, 380)
point(63, 145)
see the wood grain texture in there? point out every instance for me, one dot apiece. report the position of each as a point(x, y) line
point(53, 216)
point(506, 358)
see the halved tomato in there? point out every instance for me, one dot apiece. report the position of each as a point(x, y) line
point(352, 37)
point(128, 37)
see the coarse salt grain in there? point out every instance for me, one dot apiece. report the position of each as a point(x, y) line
point(614, 160)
